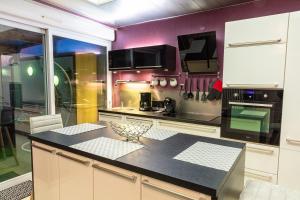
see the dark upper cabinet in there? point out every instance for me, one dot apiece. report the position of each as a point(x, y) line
point(152, 57)
point(120, 59)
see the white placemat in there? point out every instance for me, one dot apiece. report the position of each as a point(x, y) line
point(159, 133)
point(107, 147)
point(210, 155)
point(77, 129)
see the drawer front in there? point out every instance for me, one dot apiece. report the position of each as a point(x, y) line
point(110, 117)
point(257, 30)
point(259, 176)
point(255, 66)
point(262, 158)
point(155, 189)
point(193, 129)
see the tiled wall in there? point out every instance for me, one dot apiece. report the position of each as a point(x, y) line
point(166, 32)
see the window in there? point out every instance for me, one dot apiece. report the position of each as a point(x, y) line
point(79, 79)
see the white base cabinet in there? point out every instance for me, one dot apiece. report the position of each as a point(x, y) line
point(75, 177)
point(112, 183)
point(153, 189)
point(61, 175)
point(45, 172)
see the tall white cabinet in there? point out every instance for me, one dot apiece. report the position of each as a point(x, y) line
point(289, 161)
point(254, 54)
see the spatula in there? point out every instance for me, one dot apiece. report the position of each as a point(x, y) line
point(204, 96)
point(185, 94)
point(190, 94)
point(198, 91)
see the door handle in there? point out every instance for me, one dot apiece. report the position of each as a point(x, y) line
point(258, 176)
point(44, 149)
point(251, 104)
point(293, 141)
point(131, 178)
point(245, 86)
point(259, 150)
point(84, 162)
point(256, 43)
point(181, 196)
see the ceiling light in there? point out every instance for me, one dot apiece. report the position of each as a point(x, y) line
point(100, 2)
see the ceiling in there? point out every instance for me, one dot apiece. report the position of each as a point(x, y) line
point(119, 13)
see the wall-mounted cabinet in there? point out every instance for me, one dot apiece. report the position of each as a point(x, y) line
point(152, 57)
point(255, 52)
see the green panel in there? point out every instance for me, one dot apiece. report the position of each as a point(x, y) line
point(245, 124)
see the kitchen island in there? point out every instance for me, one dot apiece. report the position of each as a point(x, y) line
point(74, 167)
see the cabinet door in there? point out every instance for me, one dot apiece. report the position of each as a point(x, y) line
point(193, 129)
point(45, 172)
point(76, 177)
point(154, 189)
point(255, 66)
point(256, 30)
point(109, 179)
point(290, 132)
point(289, 169)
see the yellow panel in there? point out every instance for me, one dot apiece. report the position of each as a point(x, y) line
point(86, 93)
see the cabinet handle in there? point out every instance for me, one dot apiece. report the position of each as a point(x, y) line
point(131, 178)
point(293, 141)
point(258, 176)
point(235, 85)
point(44, 149)
point(182, 196)
point(84, 162)
point(244, 44)
point(259, 150)
point(251, 104)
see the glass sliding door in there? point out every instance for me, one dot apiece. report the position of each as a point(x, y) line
point(22, 95)
point(79, 80)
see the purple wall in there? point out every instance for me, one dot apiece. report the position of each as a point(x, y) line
point(166, 31)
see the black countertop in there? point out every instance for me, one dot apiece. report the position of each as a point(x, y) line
point(182, 117)
point(155, 159)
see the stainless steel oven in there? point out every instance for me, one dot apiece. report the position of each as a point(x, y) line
point(252, 115)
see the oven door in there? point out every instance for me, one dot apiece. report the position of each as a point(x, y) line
point(255, 122)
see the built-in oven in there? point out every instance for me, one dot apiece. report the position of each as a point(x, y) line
point(252, 115)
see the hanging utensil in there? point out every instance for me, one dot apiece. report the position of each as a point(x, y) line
point(198, 91)
point(185, 94)
point(204, 96)
point(191, 95)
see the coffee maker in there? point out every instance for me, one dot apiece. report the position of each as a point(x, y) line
point(145, 101)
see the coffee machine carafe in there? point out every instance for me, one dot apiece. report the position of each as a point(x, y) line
point(145, 102)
